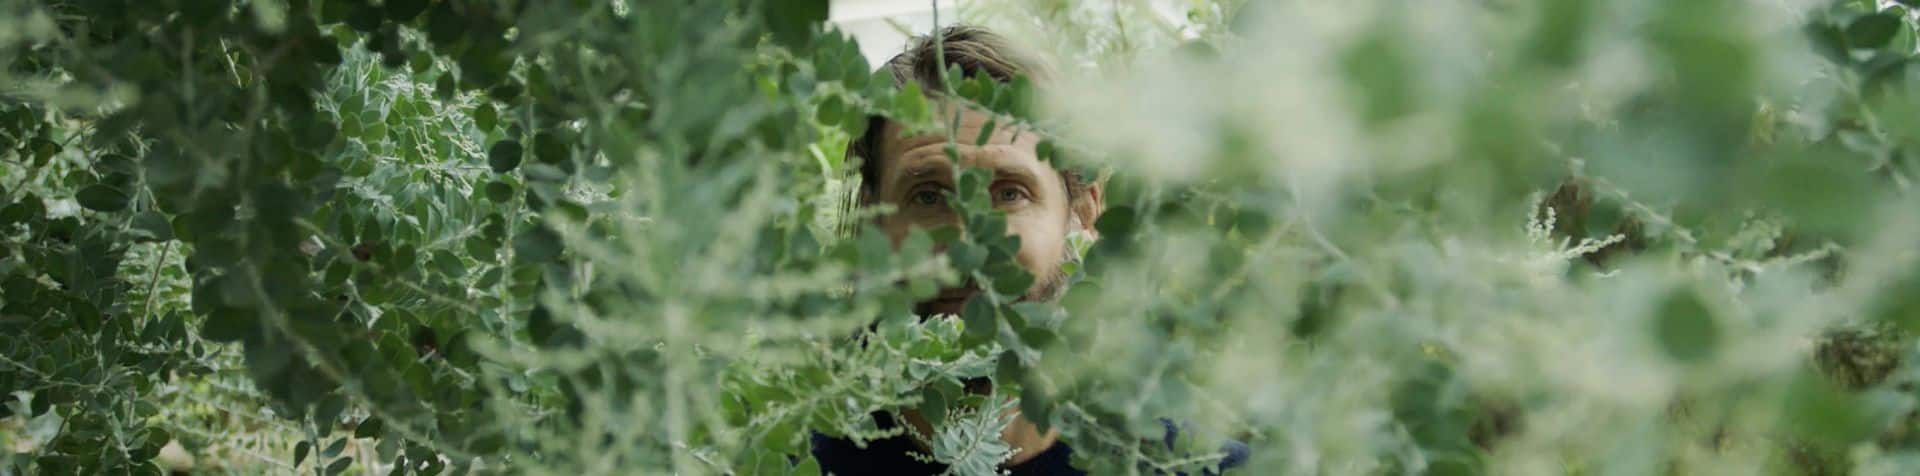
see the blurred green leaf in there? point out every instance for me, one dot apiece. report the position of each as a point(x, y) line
point(537, 244)
point(1686, 327)
point(1872, 31)
point(499, 192)
point(504, 156)
point(792, 22)
point(979, 315)
point(102, 198)
point(300, 452)
point(485, 116)
point(154, 225)
point(339, 466)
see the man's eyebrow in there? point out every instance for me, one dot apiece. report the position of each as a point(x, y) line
point(925, 169)
point(943, 169)
point(1019, 174)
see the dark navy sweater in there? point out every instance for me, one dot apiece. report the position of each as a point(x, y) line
point(890, 456)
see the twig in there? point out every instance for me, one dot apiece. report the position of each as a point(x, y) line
point(153, 280)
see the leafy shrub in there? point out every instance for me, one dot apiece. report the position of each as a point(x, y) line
point(597, 237)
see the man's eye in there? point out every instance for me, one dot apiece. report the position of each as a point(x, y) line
point(927, 198)
point(1008, 195)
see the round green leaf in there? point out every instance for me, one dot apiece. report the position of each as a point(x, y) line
point(1685, 327)
point(549, 148)
point(448, 264)
point(226, 325)
point(979, 316)
point(402, 11)
point(27, 208)
point(486, 116)
point(499, 191)
point(375, 131)
point(43, 150)
point(1872, 31)
point(504, 156)
point(1115, 222)
point(154, 224)
point(537, 244)
point(368, 428)
point(103, 198)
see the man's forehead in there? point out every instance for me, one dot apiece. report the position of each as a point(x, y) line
point(930, 160)
point(896, 142)
point(933, 163)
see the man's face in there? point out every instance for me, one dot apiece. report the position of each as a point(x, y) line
point(914, 175)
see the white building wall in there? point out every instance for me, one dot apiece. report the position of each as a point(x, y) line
point(868, 22)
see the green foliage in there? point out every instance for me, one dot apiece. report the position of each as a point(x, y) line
point(428, 236)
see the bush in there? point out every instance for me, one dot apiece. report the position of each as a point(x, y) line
point(425, 236)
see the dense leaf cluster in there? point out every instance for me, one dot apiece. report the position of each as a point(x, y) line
point(597, 237)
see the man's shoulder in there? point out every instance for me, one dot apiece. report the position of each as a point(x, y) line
point(889, 456)
point(894, 456)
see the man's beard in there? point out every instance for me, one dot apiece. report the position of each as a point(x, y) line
point(1049, 287)
point(1046, 288)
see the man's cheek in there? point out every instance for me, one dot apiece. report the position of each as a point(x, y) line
point(1039, 252)
point(895, 229)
